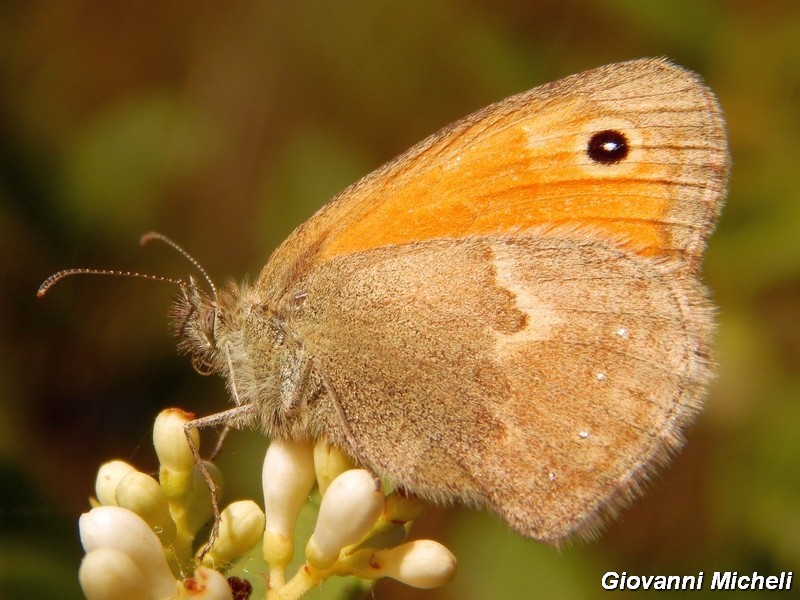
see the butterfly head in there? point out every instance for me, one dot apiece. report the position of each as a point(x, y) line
point(195, 318)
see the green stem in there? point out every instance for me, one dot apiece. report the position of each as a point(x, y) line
point(304, 580)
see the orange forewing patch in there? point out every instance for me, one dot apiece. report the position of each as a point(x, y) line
point(522, 163)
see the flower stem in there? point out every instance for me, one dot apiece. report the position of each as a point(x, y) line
point(305, 579)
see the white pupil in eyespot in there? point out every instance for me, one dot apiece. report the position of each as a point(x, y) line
point(610, 146)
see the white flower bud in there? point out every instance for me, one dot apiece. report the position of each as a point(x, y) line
point(174, 453)
point(241, 526)
point(108, 574)
point(207, 584)
point(287, 477)
point(329, 463)
point(108, 477)
point(421, 564)
point(143, 495)
point(348, 512)
point(120, 529)
point(170, 441)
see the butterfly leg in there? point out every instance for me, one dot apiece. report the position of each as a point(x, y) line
point(229, 418)
point(295, 376)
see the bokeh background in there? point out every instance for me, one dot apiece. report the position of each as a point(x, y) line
point(225, 125)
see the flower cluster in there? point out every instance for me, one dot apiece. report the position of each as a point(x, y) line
point(140, 537)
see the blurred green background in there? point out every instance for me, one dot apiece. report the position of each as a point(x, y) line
point(225, 125)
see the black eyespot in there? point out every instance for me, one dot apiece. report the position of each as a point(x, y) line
point(608, 147)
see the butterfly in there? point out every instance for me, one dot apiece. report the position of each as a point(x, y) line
point(509, 315)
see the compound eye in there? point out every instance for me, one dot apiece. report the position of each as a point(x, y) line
point(207, 321)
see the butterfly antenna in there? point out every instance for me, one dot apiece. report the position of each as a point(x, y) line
point(154, 235)
point(56, 277)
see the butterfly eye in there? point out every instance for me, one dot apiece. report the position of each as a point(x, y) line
point(207, 321)
point(608, 147)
